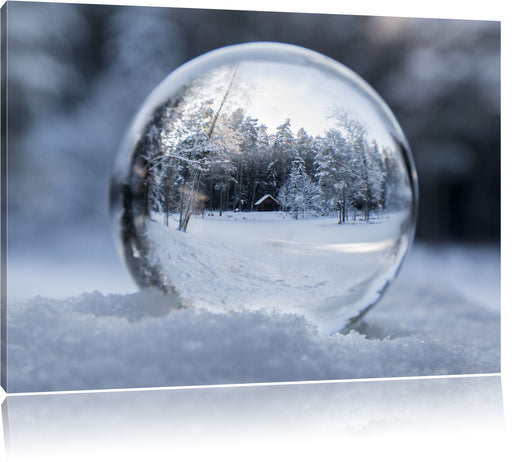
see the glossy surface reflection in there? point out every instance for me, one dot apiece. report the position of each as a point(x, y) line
point(410, 419)
point(266, 175)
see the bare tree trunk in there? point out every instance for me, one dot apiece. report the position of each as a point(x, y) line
point(182, 205)
point(253, 197)
point(188, 196)
point(221, 204)
point(210, 133)
point(344, 205)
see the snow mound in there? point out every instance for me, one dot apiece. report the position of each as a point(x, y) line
point(143, 340)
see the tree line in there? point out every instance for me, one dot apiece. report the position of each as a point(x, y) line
point(201, 156)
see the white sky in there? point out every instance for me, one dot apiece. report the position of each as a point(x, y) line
point(274, 92)
point(279, 92)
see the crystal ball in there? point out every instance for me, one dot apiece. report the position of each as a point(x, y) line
point(265, 175)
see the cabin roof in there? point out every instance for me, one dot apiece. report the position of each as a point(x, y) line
point(266, 196)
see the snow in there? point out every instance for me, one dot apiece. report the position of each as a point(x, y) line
point(428, 323)
point(312, 267)
point(263, 198)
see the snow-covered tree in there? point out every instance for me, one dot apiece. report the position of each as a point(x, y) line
point(299, 194)
point(248, 130)
point(306, 149)
point(197, 138)
point(365, 163)
point(283, 151)
point(376, 175)
point(335, 173)
point(258, 166)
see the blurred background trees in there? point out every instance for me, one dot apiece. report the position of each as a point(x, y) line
point(78, 73)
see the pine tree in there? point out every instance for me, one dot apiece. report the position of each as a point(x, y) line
point(299, 193)
point(335, 173)
point(306, 149)
point(283, 151)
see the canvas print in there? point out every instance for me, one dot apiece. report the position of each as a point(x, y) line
point(196, 197)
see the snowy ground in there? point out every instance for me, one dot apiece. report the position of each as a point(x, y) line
point(312, 267)
point(441, 316)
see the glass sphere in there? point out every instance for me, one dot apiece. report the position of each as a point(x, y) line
point(266, 175)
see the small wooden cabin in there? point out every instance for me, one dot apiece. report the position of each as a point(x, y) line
point(266, 204)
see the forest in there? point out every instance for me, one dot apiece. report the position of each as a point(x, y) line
point(203, 156)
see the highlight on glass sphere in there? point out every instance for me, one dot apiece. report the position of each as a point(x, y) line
point(266, 175)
